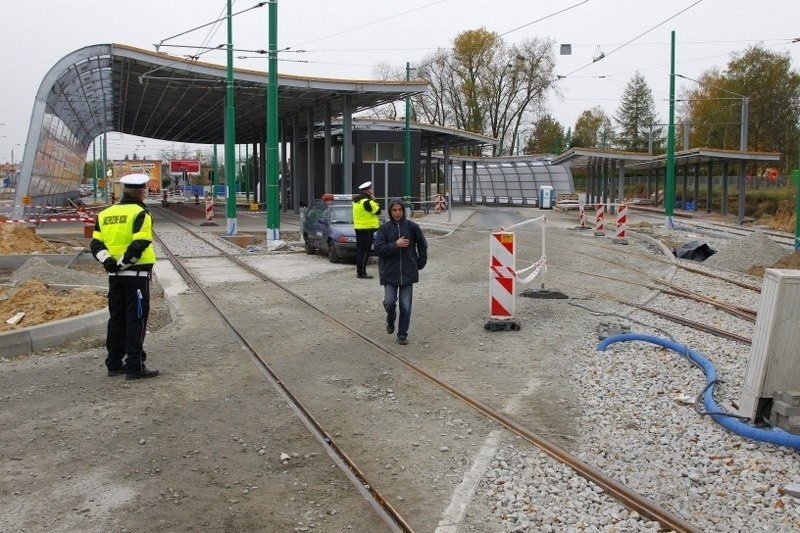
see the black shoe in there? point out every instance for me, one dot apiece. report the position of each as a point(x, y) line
point(365, 276)
point(141, 374)
point(402, 340)
point(116, 372)
point(389, 328)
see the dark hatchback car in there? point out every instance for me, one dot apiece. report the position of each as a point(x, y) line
point(328, 227)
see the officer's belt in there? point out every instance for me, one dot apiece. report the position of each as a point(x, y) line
point(133, 273)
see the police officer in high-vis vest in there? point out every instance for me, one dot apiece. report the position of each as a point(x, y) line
point(122, 242)
point(365, 221)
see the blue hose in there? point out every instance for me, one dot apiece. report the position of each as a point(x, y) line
point(726, 420)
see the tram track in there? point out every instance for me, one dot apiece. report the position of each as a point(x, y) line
point(720, 229)
point(672, 289)
point(389, 514)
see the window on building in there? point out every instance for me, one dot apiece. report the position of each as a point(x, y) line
point(378, 152)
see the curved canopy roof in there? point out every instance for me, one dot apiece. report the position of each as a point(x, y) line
point(113, 87)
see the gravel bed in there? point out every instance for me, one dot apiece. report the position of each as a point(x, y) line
point(642, 429)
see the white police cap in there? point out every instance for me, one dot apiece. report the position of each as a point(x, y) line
point(365, 185)
point(135, 181)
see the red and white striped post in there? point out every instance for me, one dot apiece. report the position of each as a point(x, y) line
point(502, 276)
point(582, 217)
point(622, 222)
point(209, 211)
point(599, 223)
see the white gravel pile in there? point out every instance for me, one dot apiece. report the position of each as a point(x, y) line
point(641, 428)
point(38, 268)
point(757, 249)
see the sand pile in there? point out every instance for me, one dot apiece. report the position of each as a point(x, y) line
point(18, 239)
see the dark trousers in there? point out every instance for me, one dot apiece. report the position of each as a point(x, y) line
point(129, 307)
point(363, 246)
point(404, 295)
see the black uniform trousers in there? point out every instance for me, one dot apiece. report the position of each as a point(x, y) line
point(363, 247)
point(129, 307)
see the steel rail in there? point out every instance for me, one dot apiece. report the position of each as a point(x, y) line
point(676, 263)
point(617, 490)
point(669, 316)
point(357, 477)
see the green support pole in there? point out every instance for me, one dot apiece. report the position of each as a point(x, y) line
point(230, 134)
point(273, 213)
point(407, 187)
point(669, 187)
point(797, 209)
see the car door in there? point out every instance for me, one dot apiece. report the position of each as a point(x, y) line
point(315, 229)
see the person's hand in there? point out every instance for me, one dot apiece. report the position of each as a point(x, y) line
point(110, 264)
point(402, 242)
point(126, 261)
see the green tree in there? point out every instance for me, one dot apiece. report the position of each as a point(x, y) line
point(484, 86)
point(773, 90)
point(593, 129)
point(547, 137)
point(636, 117)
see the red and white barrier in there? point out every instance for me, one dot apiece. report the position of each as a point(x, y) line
point(599, 224)
point(622, 223)
point(41, 220)
point(440, 203)
point(622, 220)
point(502, 275)
point(209, 208)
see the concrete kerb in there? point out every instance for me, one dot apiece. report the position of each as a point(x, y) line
point(25, 340)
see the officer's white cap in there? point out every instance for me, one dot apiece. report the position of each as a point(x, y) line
point(365, 185)
point(135, 181)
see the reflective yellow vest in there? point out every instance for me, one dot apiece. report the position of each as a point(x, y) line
point(363, 219)
point(116, 231)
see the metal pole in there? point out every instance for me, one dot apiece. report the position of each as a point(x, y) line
point(669, 187)
point(273, 214)
point(247, 172)
point(230, 134)
point(214, 174)
point(94, 161)
point(407, 182)
point(797, 208)
point(742, 168)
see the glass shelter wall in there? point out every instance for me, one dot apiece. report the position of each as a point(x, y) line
point(506, 182)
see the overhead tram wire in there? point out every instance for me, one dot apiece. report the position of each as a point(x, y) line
point(632, 40)
point(259, 5)
point(543, 18)
point(369, 23)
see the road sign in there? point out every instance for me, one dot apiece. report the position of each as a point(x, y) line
point(177, 166)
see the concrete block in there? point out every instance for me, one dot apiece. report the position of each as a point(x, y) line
point(790, 398)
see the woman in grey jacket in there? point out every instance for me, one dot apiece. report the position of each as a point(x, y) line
point(402, 252)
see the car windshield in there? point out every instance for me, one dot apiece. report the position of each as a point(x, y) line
point(342, 215)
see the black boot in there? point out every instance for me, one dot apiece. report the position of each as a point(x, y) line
point(140, 372)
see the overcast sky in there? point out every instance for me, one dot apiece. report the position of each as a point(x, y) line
point(348, 38)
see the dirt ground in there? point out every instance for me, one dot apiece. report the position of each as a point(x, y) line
point(209, 446)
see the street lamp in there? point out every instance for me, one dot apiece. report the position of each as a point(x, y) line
point(14, 169)
point(12, 153)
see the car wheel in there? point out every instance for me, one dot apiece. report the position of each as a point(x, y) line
point(333, 256)
point(309, 247)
